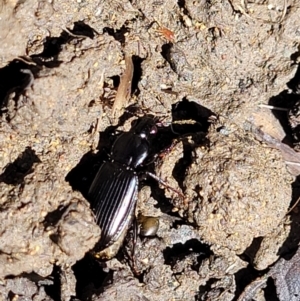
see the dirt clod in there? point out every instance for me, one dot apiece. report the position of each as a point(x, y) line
point(234, 188)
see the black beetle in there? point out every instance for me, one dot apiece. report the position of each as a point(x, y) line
point(113, 192)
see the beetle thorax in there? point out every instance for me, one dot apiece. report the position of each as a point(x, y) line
point(130, 150)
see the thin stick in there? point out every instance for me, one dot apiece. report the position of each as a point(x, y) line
point(283, 11)
point(293, 207)
point(124, 89)
point(273, 108)
point(73, 34)
point(292, 163)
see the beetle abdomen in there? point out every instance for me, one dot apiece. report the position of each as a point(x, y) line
point(113, 198)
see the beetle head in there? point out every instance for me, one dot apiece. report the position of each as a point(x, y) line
point(145, 128)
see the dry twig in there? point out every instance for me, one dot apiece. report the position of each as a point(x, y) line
point(124, 89)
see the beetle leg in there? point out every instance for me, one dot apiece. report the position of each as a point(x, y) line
point(130, 253)
point(159, 180)
point(134, 239)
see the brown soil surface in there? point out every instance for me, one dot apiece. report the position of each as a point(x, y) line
point(211, 68)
